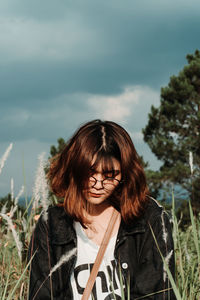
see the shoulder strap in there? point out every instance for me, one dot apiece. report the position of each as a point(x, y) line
point(100, 256)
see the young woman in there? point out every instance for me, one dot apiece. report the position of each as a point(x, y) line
point(99, 172)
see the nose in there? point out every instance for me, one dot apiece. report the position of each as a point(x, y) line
point(99, 182)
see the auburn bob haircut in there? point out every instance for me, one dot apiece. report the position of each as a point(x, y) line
point(93, 143)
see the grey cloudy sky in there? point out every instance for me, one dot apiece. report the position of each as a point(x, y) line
point(65, 62)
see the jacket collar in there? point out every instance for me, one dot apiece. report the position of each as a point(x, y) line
point(63, 231)
point(137, 225)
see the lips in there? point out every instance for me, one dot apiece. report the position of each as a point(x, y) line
point(95, 195)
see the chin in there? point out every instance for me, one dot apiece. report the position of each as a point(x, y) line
point(95, 201)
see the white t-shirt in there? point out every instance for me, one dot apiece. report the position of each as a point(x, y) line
point(107, 284)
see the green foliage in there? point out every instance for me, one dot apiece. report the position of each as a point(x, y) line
point(14, 274)
point(143, 162)
point(9, 203)
point(183, 214)
point(154, 182)
point(14, 278)
point(55, 150)
point(173, 130)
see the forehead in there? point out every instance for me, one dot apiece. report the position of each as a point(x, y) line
point(105, 164)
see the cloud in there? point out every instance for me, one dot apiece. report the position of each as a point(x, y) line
point(123, 39)
point(115, 108)
point(25, 39)
point(50, 49)
point(137, 136)
point(129, 107)
point(59, 116)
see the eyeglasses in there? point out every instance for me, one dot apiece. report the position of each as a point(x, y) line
point(108, 182)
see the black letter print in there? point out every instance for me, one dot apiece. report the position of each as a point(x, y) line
point(76, 272)
point(112, 276)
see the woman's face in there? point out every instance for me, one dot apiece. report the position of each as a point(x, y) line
point(102, 184)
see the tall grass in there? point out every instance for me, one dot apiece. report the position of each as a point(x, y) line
point(16, 229)
point(13, 277)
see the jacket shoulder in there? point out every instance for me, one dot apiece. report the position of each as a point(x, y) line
point(54, 215)
point(58, 213)
point(58, 224)
point(154, 210)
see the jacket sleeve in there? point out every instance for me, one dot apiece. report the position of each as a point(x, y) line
point(40, 254)
point(152, 278)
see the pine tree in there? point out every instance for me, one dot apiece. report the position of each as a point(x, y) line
point(173, 130)
point(55, 150)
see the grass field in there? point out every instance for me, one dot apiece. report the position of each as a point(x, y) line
point(15, 236)
point(17, 226)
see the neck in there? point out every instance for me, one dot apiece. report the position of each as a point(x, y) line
point(96, 210)
point(101, 216)
point(99, 223)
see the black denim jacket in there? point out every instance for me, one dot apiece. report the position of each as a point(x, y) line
point(136, 252)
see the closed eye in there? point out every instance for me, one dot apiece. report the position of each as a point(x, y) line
point(106, 174)
point(111, 174)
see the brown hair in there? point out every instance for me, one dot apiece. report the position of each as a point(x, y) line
point(69, 171)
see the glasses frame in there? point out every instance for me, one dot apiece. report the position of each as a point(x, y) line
point(102, 181)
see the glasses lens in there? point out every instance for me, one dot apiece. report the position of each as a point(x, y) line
point(92, 181)
point(107, 183)
point(110, 181)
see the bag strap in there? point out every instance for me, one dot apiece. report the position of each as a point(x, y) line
point(100, 255)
